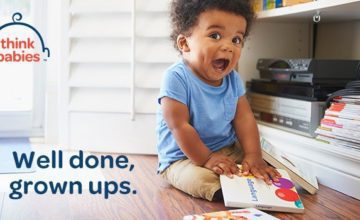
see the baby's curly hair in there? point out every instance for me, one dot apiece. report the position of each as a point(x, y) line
point(185, 13)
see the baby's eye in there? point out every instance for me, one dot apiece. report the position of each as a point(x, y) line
point(215, 36)
point(237, 40)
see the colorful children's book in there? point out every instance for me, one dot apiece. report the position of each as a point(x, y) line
point(250, 192)
point(243, 214)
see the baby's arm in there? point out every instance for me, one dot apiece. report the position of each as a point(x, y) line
point(248, 135)
point(176, 115)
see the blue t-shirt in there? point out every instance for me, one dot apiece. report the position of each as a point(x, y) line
point(211, 110)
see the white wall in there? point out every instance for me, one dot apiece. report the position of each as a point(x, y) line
point(339, 40)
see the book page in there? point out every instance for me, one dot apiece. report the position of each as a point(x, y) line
point(300, 169)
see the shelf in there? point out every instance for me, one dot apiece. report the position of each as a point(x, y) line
point(329, 11)
point(310, 143)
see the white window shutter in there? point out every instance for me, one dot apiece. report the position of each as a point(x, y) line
point(112, 73)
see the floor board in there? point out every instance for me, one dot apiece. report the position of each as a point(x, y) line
point(155, 199)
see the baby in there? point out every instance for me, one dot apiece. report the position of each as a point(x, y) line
point(204, 123)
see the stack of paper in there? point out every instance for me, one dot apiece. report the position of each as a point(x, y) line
point(341, 124)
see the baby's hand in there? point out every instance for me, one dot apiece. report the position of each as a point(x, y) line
point(256, 165)
point(222, 164)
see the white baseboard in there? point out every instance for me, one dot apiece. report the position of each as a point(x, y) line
point(337, 168)
point(334, 179)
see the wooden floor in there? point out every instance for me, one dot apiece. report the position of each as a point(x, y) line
point(155, 199)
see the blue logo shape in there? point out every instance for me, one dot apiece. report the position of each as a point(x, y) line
point(16, 21)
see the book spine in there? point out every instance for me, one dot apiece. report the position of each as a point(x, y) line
point(338, 123)
point(346, 115)
point(338, 142)
point(342, 136)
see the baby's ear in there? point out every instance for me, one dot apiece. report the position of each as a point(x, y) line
point(182, 43)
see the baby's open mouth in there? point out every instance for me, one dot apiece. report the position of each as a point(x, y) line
point(220, 64)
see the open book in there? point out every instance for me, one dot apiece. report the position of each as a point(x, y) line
point(247, 192)
point(250, 214)
point(297, 172)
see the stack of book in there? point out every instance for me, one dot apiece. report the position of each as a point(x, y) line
point(341, 124)
point(262, 5)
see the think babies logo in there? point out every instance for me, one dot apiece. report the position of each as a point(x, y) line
point(29, 47)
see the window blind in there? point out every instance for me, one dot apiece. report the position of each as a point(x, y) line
point(115, 53)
